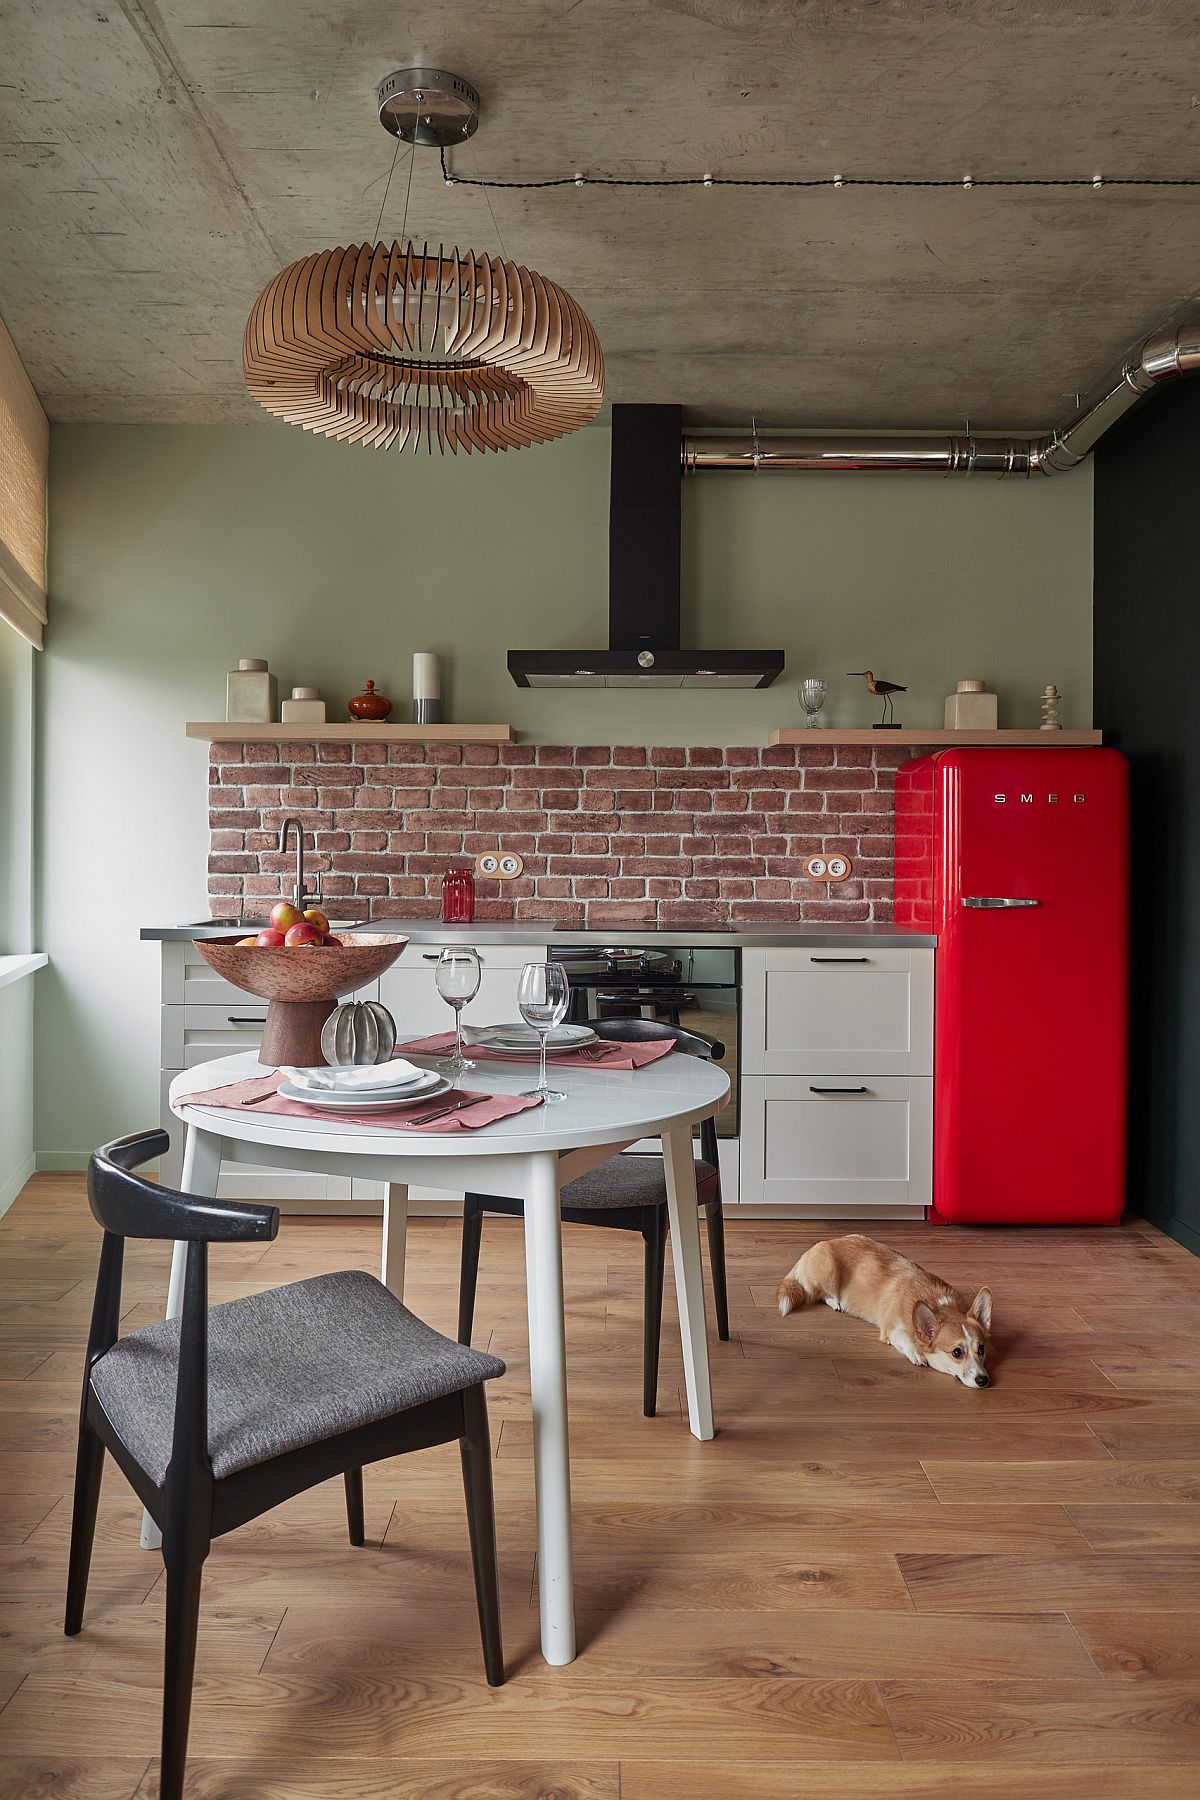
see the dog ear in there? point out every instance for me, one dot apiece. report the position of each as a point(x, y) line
point(925, 1322)
point(981, 1308)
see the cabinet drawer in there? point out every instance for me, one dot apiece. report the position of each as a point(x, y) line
point(409, 989)
point(187, 980)
point(837, 1012)
point(834, 1140)
point(491, 956)
point(195, 1034)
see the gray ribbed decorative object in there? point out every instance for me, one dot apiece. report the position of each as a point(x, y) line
point(360, 1031)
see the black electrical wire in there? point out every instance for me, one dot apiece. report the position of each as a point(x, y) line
point(825, 181)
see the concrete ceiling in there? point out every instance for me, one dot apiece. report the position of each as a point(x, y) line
point(159, 162)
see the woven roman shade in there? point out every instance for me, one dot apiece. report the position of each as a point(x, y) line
point(24, 457)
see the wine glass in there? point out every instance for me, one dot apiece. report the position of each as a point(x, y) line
point(542, 996)
point(457, 976)
point(812, 698)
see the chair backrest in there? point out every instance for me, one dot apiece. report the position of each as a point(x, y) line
point(651, 1031)
point(127, 1205)
point(130, 1206)
point(691, 1043)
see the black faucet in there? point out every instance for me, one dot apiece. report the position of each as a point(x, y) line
point(290, 824)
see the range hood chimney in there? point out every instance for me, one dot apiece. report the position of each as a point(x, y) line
point(643, 580)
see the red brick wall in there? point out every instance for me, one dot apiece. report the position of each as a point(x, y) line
point(617, 836)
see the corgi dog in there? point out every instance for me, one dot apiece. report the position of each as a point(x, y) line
point(919, 1314)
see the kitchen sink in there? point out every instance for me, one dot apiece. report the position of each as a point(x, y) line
point(248, 925)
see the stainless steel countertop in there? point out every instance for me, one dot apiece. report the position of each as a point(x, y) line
point(750, 936)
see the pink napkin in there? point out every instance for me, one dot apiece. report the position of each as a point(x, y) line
point(488, 1107)
point(596, 1056)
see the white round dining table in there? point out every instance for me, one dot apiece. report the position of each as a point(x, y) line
point(529, 1156)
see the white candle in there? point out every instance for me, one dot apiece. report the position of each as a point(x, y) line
point(427, 688)
point(427, 676)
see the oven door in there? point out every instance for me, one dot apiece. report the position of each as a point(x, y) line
point(675, 984)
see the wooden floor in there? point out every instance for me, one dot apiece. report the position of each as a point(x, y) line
point(872, 1583)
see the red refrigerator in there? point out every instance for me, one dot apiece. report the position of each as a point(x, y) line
point(1019, 861)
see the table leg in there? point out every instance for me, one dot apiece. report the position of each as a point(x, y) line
point(680, 1170)
point(395, 1232)
point(548, 1390)
point(201, 1172)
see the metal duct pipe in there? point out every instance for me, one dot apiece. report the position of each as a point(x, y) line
point(1163, 356)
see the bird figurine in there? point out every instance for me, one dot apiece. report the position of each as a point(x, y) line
point(877, 685)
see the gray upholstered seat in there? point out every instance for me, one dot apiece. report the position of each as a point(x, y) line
point(627, 1181)
point(285, 1368)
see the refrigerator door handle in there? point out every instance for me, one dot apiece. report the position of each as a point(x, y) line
point(993, 903)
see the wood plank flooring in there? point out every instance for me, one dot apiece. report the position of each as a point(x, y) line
point(872, 1582)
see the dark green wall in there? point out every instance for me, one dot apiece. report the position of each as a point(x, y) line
point(1147, 698)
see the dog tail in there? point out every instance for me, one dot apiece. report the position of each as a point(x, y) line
point(791, 1295)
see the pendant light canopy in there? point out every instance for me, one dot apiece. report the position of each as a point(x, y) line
point(381, 345)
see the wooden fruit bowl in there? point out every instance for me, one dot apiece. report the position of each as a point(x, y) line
point(301, 985)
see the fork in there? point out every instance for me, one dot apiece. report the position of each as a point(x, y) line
point(442, 1112)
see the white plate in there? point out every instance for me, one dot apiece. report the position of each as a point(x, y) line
point(515, 1038)
point(409, 1096)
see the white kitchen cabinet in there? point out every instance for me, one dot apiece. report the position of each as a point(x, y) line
point(836, 1104)
point(837, 1010)
point(204, 1017)
point(840, 1146)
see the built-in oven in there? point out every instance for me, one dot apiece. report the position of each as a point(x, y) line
point(678, 984)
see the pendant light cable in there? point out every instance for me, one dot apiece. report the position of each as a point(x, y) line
point(412, 157)
point(387, 188)
point(480, 183)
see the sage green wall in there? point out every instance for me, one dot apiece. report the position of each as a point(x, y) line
point(176, 550)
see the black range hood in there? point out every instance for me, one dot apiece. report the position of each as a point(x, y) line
point(643, 580)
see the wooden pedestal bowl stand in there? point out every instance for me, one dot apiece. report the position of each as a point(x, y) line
point(302, 986)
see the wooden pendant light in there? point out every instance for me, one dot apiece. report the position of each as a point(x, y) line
point(378, 345)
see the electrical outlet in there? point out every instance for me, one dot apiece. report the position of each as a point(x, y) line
point(828, 868)
point(499, 865)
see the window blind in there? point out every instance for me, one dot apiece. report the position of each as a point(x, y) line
point(24, 458)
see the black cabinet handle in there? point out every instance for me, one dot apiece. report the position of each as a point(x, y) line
point(245, 1018)
point(436, 956)
point(839, 959)
point(825, 1090)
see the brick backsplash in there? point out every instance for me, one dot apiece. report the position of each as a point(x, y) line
point(610, 836)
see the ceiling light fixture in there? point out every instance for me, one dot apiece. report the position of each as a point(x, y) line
point(384, 345)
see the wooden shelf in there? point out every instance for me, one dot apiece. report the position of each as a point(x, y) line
point(939, 738)
point(350, 731)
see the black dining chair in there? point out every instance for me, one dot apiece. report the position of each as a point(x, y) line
point(626, 1193)
point(217, 1416)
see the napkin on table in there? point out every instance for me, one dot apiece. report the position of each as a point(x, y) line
point(358, 1079)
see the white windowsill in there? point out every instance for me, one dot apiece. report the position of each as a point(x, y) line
point(13, 968)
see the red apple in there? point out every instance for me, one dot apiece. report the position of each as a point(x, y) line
point(284, 915)
point(269, 940)
point(303, 937)
point(335, 943)
point(316, 917)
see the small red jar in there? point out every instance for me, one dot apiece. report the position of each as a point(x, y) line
point(458, 897)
